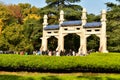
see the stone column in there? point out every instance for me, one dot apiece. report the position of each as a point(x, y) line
point(83, 18)
point(44, 38)
point(61, 37)
point(60, 41)
point(83, 48)
point(84, 45)
point(103, 39)
point(61, 17)
point(44, 44)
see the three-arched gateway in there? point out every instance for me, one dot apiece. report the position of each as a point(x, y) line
point(81, 27)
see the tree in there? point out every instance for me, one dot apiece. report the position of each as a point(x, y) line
point(113, 26)
point(32, 30)
point(59, 4)
point(20, 27)
point(5, 16)
point(1, 25)
point(25, 9)
point(11, 37)
point(15, 10)
point(92, 17)
point(72, 11)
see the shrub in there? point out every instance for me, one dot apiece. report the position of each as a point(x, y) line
point(96, 62)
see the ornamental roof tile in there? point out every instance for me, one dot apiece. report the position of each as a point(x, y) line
point(92, 25)
point(52, 27)
point(71, 23)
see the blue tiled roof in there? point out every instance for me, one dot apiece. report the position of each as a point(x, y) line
point(72, 23)
point(92, 24)
point(51, 27)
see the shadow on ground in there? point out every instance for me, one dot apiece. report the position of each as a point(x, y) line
point(14, 77)
point(96, 78)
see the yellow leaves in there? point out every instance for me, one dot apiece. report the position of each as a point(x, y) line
point(1, 24)
point(4, 12)
point(32, 16)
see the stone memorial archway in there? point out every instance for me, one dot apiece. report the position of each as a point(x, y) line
point(80, 27)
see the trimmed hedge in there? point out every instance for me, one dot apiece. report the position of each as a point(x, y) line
point(96, 62)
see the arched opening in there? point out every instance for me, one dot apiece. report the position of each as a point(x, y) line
point(93, 43)
point(72, 42)
point(52, 43)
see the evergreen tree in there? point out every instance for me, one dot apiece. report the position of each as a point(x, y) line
point(113, 26)
point(72, 11)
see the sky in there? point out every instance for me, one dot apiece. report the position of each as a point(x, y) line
point(92, 6)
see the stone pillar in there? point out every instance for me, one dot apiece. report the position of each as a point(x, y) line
point(44, 38)
point(61, 37)
point(83, 49)
point(61, 17)
point(44, 44)
point(83, 18)
point(83, 45)
point(45, 21)
point(60, 41)
point(83, 41)
point(103, 39)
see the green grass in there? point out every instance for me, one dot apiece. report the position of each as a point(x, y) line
point(55, 76)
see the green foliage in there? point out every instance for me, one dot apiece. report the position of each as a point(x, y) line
point(113, 27)
point(92, 17)
point(4, 12)
point(15, 11)
point(32, 30)
point(92, 63)
point(17, 34)
point(12, 37)
point(25, 8)
point(73, 13)
point(53, 8)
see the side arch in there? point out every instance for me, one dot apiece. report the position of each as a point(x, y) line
point(52, 43)
point(93, 42)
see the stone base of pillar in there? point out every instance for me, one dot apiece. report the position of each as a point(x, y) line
point(105, 51)
point(81, 52)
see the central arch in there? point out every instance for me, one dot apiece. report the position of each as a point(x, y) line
point(72, 42)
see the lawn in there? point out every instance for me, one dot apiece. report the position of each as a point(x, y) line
point(57, 76)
